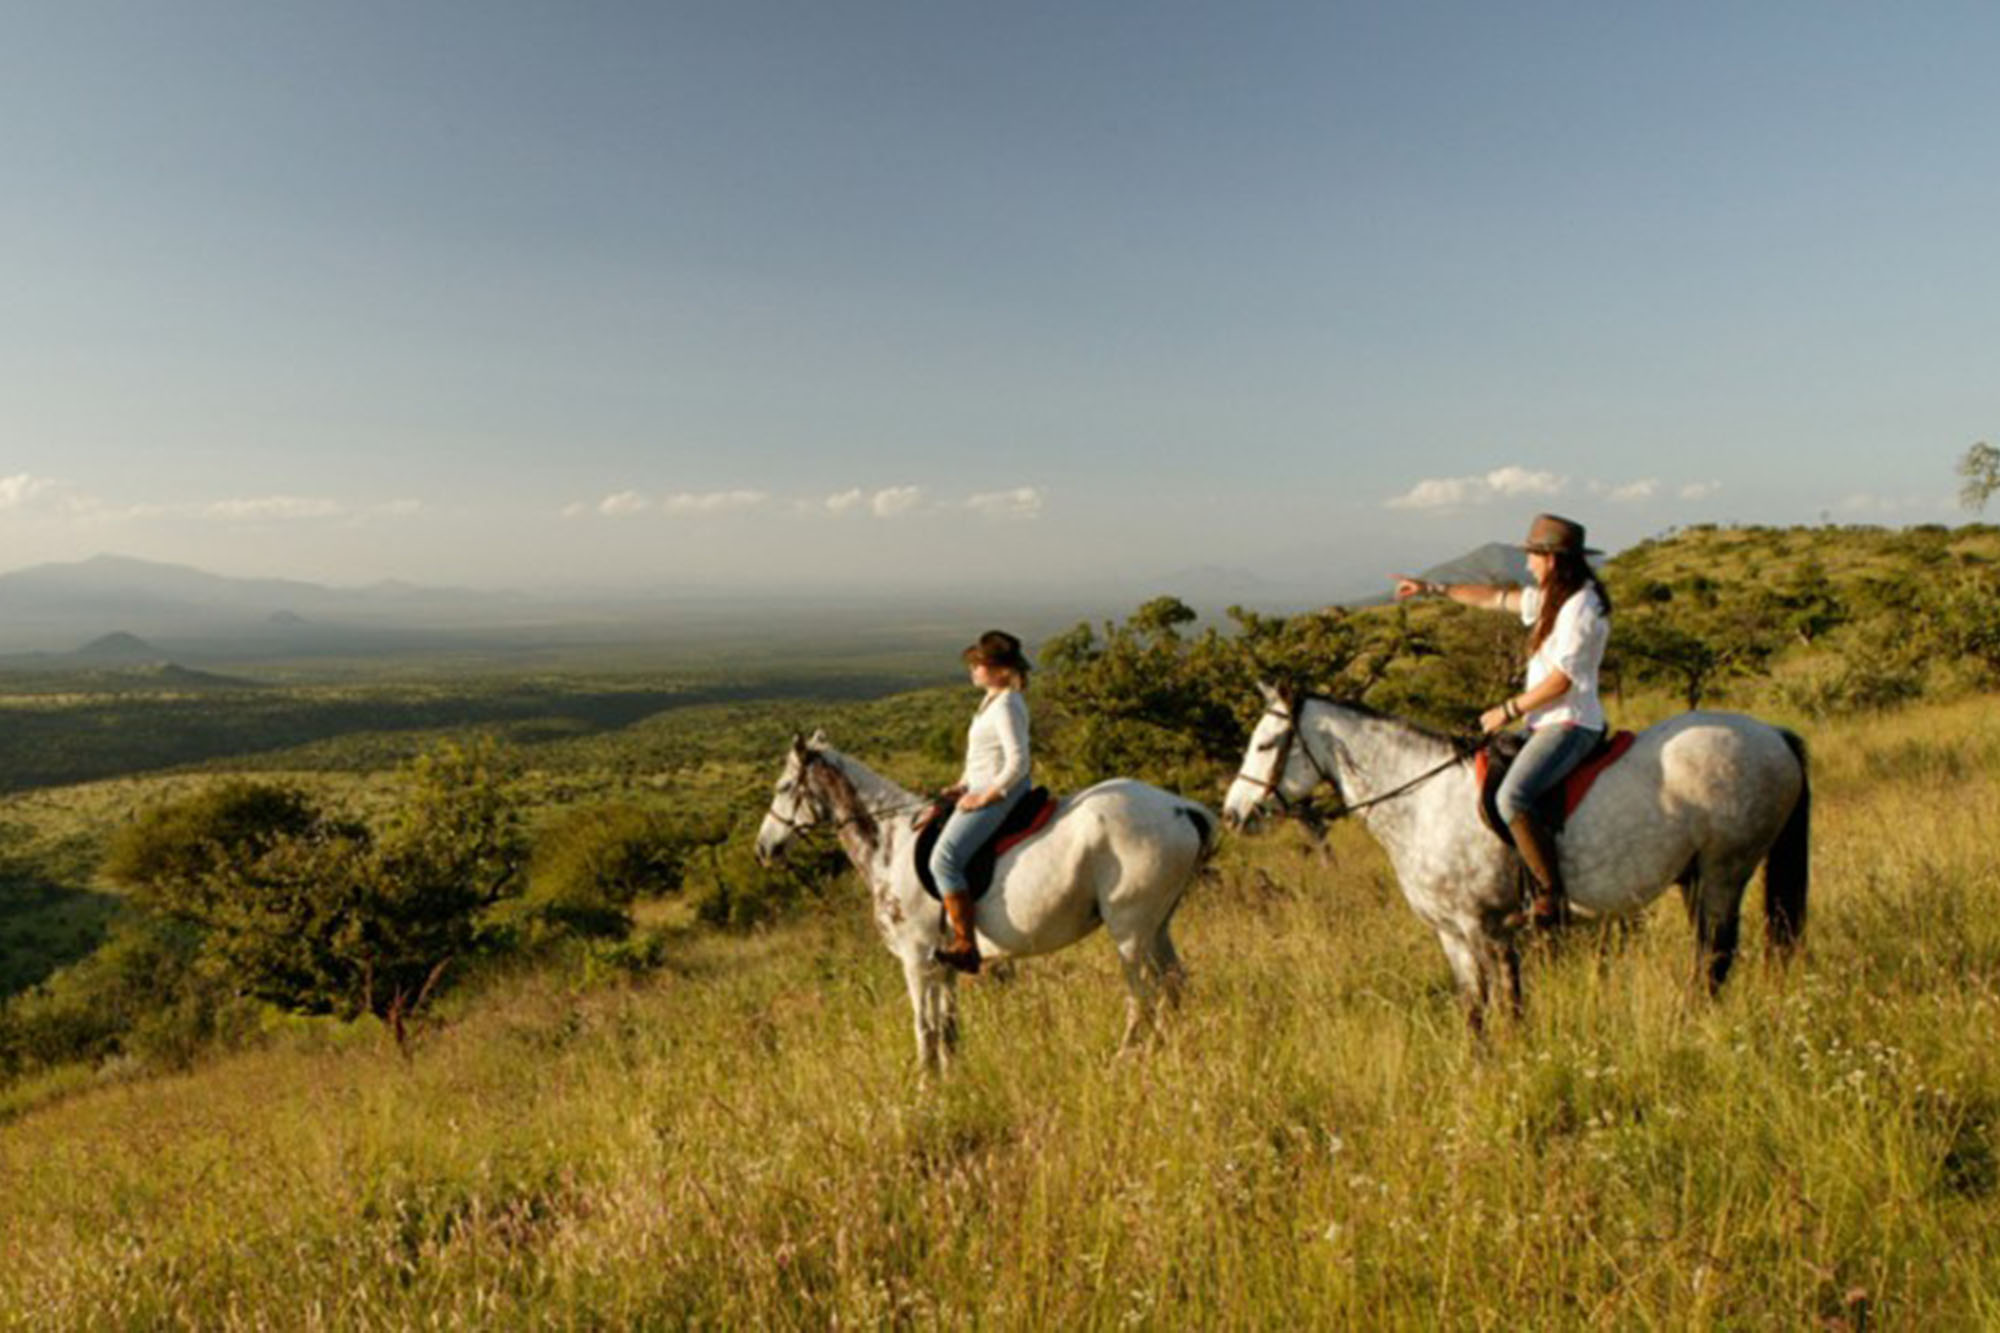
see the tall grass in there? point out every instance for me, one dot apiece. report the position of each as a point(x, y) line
point(743, 1140)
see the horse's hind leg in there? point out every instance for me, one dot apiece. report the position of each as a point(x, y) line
point(1142, 985)
point(1167, 966)
point(1715, 900)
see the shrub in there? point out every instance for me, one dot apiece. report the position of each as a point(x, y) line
point(589, 868)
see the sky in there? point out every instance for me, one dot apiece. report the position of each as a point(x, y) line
point(784, 293)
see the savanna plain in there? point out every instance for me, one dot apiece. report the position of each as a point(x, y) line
point(715, 1119)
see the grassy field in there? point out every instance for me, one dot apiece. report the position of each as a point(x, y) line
point(741, 1139)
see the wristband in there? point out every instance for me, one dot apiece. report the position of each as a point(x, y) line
point(1507, 707)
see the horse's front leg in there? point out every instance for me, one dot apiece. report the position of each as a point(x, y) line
point(934, 1007)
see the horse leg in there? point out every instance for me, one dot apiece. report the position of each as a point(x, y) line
point(925, 983)
point(1717, 901)
point(1470, 974)
point(1142, 983)
point(1167, 963)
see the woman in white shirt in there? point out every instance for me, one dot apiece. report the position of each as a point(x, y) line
point(994, 781)
point(1568, 615)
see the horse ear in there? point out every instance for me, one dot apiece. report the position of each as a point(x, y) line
point(819, 740)
point(799, 744)
point(1270, 693)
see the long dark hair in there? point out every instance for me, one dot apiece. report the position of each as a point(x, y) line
point(1570, 575)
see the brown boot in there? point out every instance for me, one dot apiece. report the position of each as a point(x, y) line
point(963, 951)
point(1538, 852)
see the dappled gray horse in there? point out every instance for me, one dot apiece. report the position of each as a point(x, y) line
point(1699, 801)
point(1120, 854)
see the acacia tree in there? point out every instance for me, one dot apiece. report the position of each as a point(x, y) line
point(320, 914)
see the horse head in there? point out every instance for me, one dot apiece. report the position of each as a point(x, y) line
point(1276, 768)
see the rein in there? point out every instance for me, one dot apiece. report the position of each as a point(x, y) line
point(1287, 806)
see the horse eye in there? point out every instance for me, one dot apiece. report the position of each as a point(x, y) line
point(784, 786)
point(1271, 744)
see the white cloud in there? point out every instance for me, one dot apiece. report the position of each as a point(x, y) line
point(1520, 481)
point(843, 501)
point(622, 504)
point(20, 488)
point(399, 509)
point(1700, 490)
point(273, 507)
point(1460, 492)
point(1021, 502)
point(895, 500)
point(713, 502)
point(1629, 492)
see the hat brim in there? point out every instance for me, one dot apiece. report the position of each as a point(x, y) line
point(1538, 548)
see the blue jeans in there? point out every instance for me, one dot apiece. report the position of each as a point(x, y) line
point(965, 833)
point(1548, 757)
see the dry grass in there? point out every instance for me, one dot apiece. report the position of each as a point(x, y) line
point(742, 1140)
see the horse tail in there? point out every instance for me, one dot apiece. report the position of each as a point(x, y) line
point(1205, 829)
point(1786, 867)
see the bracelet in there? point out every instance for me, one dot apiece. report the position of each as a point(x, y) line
point(1512, 713)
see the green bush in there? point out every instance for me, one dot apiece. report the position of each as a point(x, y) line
point(322, 915)
point(590, 867)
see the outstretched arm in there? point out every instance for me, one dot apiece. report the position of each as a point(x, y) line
point(1483, 596)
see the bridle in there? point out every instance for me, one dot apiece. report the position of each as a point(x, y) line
point(802, 793)
point(1273, 788)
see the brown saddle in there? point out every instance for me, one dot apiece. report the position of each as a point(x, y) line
point(1559, 802)
point(1028, 817)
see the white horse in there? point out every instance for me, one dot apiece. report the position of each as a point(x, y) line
point(1699, 800)
point(1120, 854)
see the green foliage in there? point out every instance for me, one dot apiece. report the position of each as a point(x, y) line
point(1148, 700)
point(597, 860)
point(145, 993)
point(730, 889)
point(173, 856)
point(323, 915)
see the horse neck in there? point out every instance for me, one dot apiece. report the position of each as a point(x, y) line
point(866, 805)
point(1370, 755)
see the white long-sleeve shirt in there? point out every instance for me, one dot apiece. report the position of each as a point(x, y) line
point(1575, 647)
point(996, 744)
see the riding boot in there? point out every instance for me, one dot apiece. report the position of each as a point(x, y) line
point(963, 951)
point(1537, 847)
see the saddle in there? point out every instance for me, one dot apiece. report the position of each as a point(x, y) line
point(1028, 817)
point(1559, 802)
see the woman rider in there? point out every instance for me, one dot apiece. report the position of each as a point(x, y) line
point(994, 781)
point(1568, 615)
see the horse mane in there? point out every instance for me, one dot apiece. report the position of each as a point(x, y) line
point(848, 807)
point(1458, 744)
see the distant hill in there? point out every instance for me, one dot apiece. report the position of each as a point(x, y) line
point(119, 647)
point(191, 609)
point(1494, 563)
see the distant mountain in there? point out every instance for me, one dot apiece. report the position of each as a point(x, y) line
point(1493, 563)
point(190, 609)
point(113, 581)
point(119, 647)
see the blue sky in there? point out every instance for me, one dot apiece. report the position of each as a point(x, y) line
point(799, 293)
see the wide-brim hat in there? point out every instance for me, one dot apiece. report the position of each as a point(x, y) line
point(1552, 534)
point(998, 648)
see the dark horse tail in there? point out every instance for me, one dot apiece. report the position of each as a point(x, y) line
point(1786, 868)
